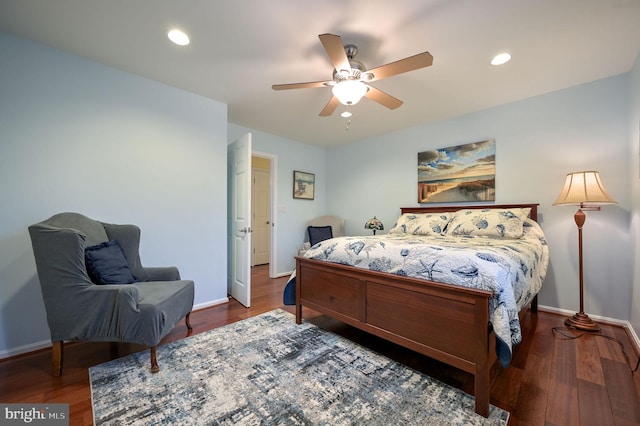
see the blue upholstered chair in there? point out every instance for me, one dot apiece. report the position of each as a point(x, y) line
point(95, 287)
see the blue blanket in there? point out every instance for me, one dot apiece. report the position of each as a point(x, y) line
point(289, 296)
point(513, 269)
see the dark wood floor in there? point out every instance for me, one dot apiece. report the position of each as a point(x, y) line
point(552, 380)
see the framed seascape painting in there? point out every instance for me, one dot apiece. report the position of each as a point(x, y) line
point(303, 185)
point(463, 173)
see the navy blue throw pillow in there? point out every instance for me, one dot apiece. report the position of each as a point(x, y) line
point(106, 264)
point(318, 234)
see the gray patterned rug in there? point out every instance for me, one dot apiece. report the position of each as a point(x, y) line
point(266, 370)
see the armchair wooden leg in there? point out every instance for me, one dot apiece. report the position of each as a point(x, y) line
point(113, 348)
point(57, 358)
point(154, 361)
point(188, 322)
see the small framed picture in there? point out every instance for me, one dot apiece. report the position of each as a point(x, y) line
point(303, 185)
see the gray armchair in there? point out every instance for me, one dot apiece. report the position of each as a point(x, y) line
point(129, 303)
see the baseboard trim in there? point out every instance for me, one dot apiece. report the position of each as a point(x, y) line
point(210, 303)
point(633, 336)
point(33, 347)
point(20, 350)
point(282, 274)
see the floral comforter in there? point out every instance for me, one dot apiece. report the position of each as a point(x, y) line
point(512, 269)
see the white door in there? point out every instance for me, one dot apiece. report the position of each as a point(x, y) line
point(239, 206)
point(261, 218)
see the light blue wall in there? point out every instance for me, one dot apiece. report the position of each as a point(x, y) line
point(634, 178)
point(80, 136)
point(293, 214)
point(76, 135)
point(538, 141)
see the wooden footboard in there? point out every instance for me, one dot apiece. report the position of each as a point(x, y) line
point(445, 322)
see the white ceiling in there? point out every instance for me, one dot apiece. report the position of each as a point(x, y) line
point(239, 48)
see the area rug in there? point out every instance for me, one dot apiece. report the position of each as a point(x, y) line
point(267, 370)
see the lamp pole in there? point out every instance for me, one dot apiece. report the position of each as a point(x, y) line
point(580, 320)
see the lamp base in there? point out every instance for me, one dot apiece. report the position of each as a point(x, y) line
point(581, 321)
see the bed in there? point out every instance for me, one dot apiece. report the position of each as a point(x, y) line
point(454, 314)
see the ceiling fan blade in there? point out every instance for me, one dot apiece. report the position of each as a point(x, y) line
point(330, 107)
point(300, 85)
point(383, 98)
point(421, 60)
point(335, 49)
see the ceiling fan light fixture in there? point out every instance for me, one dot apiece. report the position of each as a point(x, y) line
point(501, 58)
point(178, 37)
point(346, 114)
point(349, 92)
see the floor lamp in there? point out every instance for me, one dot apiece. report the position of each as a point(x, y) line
point(583, 189)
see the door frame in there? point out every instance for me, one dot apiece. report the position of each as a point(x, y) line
point(273, 197)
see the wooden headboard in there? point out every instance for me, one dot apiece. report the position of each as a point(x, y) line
point(439, 209)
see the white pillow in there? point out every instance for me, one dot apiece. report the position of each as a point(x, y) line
point(421, 223)
point(499, 223)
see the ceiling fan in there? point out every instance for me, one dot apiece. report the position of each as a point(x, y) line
point(351, 79)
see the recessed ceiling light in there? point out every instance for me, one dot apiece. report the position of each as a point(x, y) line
point(500, 59)
point(178, 37)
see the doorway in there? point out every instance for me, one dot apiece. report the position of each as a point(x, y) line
point(263, 190)
point(260, 210)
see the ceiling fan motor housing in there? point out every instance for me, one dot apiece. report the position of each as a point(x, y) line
point(357, 67)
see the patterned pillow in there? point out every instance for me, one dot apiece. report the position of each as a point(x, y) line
point(421, 223)
point(500, 223)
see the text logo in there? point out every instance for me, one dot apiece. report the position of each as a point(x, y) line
point(34, 414)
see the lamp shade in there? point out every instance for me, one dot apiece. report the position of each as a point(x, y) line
point(349, 92)
point(584, 188)
point(374, 223)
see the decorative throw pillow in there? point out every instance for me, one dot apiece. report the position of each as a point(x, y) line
point(499, 223)
point(106, 264)
point(421, 223)
point(319, 233)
